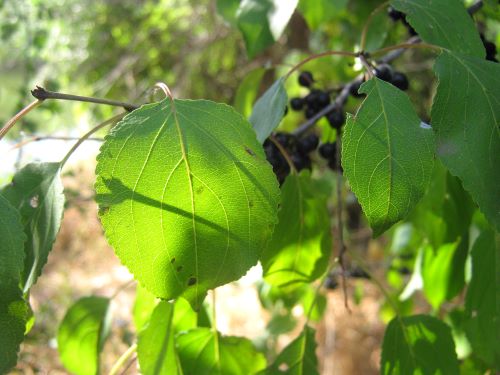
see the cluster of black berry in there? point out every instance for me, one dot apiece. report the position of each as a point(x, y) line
point(386, 73)
point(297, 148)
point(315, 101)
point(491, 49)
point(328, 151)
point(396, 15)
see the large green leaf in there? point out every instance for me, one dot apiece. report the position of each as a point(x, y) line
point(227, 9)
point(301, 244)
point(466, 119)
point(269, 110)
point(318, 13)
point(298, 358)
point(387, 155)
point(445, 23)
point(203, 351)
point(155, 346)
point(144, 306)
point(418, 344)
point(186, 197)
point(247, 91)
point(82, 333)
point(482, 301)
point(37, 192)
point(262, 22)
point(13, 309)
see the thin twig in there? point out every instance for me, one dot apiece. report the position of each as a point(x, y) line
point(41, 94)
point(319, 55)
point(123, 358)
point(406, 45)
point(129, 364)
point(23, 112)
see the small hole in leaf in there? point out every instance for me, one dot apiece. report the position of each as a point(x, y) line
point(172, 260)
point(283, 367)
point(34, 201)
point(191, 281)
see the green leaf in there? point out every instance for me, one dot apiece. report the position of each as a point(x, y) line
point(262, 22)
point(466, 120)
point(437, 272)
point(247, 91)
point(387, 155)
point(269, 110)
point(82, 333)
point(301, 244)
point(37, 192)
point(187, 198)
point(317, 13)
point(13, 309)
point(144, 306)
point(227, 9)
point(445, 23)
point(418, 344)
point(203, 351)
point(155, 346)
point(185, 318)
point(298, 357)
point(482, 301)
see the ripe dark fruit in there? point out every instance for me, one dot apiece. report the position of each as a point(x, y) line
point(327, 150)
point(323, 99)
point(310, 112)
point(300, 161)
point(400, 81)
point(336, 119)
point(312, 99)
point(306, 79)
point(308, 143)
point(358, 272)
point(297, 104)
point(285, 139)
point(331, 283)
point(396, 15)
point(384, 72)
point(491, 49)
point(353, 90)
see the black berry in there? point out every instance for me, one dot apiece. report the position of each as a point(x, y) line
point(310, 112)
point(358, 272)
point(331, 283)
point(336, 119)
point(297, 104)
point(323, 99)
point(400, 81)
point(384, 72)
point(396, 15)
point(327, 150)
point(353, 90)
point(308, 143)
point(306, 79)
point(300, 161)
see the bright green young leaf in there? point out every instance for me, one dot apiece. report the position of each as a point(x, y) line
point(437, 271)
point(247, 91)
point(37, 192)
point(387, 155)
point(262, 22)
point(185, 318)
point(298, 358)
point(445, 23)
point(418, 344)
point(269, 110)
point(144, 306)
point(13, 309)
point(227, 9)
point(82, 333)
point(318, 13)
point(156, 346)
point(482, 301)
point(466, 120)
point(203, 351)
point(301, 244)
point(187, 198)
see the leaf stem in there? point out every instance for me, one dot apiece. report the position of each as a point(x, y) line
point(88, 134)
point(368, 23)
point(317, 56)
point(123, 359)
point(41, 94)
point(284, 153)
point(23, 112)
point(403, 46)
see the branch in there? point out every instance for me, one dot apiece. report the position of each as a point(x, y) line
point(41, 94)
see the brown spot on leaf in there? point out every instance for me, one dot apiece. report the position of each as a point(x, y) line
point(249, 151)
point(191, 281)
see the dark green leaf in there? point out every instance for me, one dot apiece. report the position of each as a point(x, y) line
point(387, 155)
point(37, 192)
point(466, 119)
point(227, 9)
point(13, 309)
point(301, 244)
point(187, 198)
point(262, 22)
point(445, 23)
point(155, 346)
point(298, 358)
point(203, 351)
point(247, 91)
point(418, 344)
point(269, 110)
point(482, 301)
point(82, 333)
